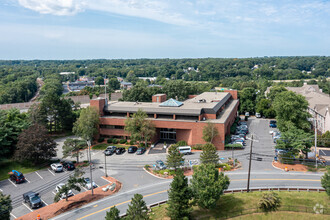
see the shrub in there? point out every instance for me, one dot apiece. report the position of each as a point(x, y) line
point(197, 147)
point(181, 143)
point(147, 166)
point(109, 141)
point(101, 139)
point(123, 141)
point(74, 161)
point(115, 141)
point(227, 139)
point(270, 202)
point(141, 144)
point(236, 146)
point(225, 166)
point(233, 128)
point(131, 142)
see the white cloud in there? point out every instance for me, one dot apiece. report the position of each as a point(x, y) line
point(55, 7)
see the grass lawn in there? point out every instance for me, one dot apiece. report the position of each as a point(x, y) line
point(282, 215)
point(234, 204)
point(103, 146)
point(9, 165)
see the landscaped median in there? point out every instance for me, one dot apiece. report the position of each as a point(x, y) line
point(73, 202)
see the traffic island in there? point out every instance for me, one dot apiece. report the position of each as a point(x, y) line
point(290, 167)
point(75, 201)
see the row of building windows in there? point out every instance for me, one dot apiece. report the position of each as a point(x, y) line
point(112, 127)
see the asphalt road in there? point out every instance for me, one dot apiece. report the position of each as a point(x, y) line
point(127, 169)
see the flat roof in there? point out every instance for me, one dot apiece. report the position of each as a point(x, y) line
point(207, 102)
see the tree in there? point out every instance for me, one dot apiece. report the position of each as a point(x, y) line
point(139, 127)
point(325, 181)
point(114, 84)
point(5, 206)
point(274, 91)
point(174, 158)
point(34, 144)
point(209, 154)
point(137, 209)
point(113, 214)
point(210, 132)
point(179, 197)
point(99, 80)
point(270, 202)
point(265, 108)
point(72, 147)
point(87, 124)
point(208, 185)
point(247, 99)
point(291, 108)
point(74, 182)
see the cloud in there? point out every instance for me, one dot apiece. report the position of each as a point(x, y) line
point(55, 7)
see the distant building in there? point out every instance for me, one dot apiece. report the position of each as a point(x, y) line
point(79, 85)
point(126, 85)
point(154, 85)
point(120, 79)
point(151, 79)
point(318, 104)
point(173, 120)
point(67, 73)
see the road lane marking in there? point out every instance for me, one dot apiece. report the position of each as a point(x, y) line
point(106, 179)
point(51, 172)
point(27, 207)
point(307, 180)
point(27, 180)
point(119, 204)
point(44, 202)
point(39, 175)
point(54, 193)
point(13, 215)
point(12, 182)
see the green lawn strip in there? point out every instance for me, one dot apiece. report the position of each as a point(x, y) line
point(247, 203)
point(159, 212)
point(282, 215)
point(9, 165)
point(103, 146)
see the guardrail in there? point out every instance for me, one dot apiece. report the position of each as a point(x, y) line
point(257, 210)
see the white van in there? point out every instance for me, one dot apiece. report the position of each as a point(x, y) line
point(185, 150)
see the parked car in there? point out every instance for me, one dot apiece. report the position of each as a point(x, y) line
point(89, 184)
point(242, 123)
point(140, 151)
point(247, 114)
point(160, 165)
point(132, 149)
point(120, 150)
point(242, 127)
point(186, 150)
point(16, 176)
point(239, 141)
point(236, 137)
point(59, 187)
point(68, 165)
point(258, 115)
point(110, 150)
point(272, 124)
point(56, 167)
point(32, 199)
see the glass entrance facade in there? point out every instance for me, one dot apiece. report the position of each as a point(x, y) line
point(167, 134)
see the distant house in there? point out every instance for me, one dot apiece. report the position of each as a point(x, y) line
point(154, 85)
point(151, 79)
point(67, 73)
point(120, 79)
point(79, 85)
point(126, 85)
point(318, 104)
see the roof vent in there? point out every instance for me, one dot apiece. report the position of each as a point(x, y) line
point(202, 101)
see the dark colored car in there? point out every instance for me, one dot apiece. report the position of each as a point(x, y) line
point(32, 199)
point(160, 165)
point(110, 150)
point(140, 151)
point(17, 177)
point(272, 124)
point(120, 150)
point(132, 149)
point(68, 165)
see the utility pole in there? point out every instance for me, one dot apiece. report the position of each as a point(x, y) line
point(90, 165)
point(248, 183)
point(105, 165)
point(315, 142)
point(232, 155)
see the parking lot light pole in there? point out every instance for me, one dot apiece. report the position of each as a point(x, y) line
point(315, 143)
point(105, 165)
point(90, 165)
point(248, 183)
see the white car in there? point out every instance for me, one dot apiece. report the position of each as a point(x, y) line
point(59, 186)
point(258, 115)
point(88, 183)
point(57, 167)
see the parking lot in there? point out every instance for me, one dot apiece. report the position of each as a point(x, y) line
point(42, 182)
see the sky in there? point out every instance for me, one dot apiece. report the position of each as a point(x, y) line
point(125, 29)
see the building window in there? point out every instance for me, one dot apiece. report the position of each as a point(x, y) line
point(112, 127)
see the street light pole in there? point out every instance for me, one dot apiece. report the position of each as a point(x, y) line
point(248, 183)
point(315, 142)
point(90, 166)
point(105, 165)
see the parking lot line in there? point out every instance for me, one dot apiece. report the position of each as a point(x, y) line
point(51, 172)
point(44, 202)
point(13, 215)
point(39, 175)
point(27, 180)
point(12, 183)
point(106, 179)
point(83, 187)
point(27, 207)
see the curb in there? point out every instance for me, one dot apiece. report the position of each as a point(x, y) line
point(278, 168)
point(154, 175)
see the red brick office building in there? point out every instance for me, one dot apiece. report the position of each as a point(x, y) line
point(173, 120)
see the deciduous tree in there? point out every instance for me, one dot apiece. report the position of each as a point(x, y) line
point(325, 181)
point(210, 132)
point(73, 148)
point(208, 185)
